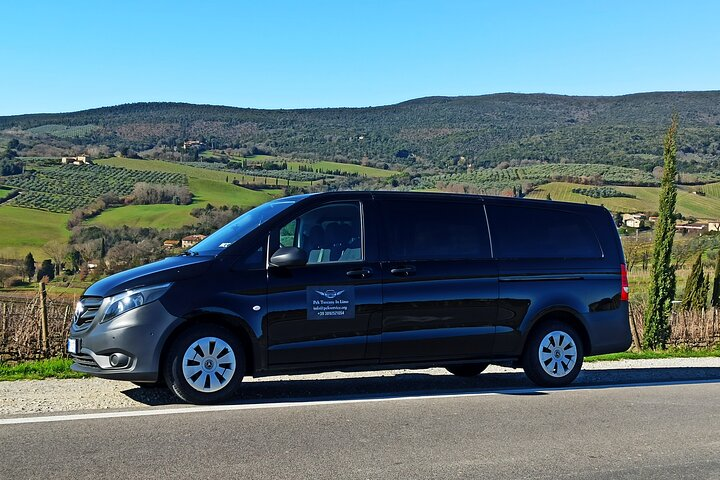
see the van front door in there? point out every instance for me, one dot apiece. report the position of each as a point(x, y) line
point(319, 312)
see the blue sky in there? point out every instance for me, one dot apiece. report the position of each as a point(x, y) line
point(71, 55)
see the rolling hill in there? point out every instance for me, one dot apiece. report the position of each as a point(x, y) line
point(434, 131)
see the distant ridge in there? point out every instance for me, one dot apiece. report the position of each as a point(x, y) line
point(488, 129)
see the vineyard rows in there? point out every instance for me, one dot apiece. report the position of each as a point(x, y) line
point(293, 175)
point(502, 179)
point(64, 188)
point(52, 202)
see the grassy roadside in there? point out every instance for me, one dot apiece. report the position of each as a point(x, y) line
point(60, 367)
point(38, 369)
point(653, 354)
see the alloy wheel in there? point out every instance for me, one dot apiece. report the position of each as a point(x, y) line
point(557, 353)
point(208, 364)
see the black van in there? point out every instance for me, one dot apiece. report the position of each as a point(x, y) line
point(365, 280)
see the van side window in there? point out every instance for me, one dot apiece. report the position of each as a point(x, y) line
point(330, 233)
point(435, 230)
point(528, 232)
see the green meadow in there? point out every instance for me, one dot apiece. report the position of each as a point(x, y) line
point(24, 230)
point(208, 186)
point(4, 192)
point(688, 203)
point(343, 167)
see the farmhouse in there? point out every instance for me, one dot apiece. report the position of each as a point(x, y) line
point(192, 240)
point(79, 160)
point(170, 244)
point(633, 220)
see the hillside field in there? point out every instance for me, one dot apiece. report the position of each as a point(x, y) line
point(208, 186)
point(24, 230)
point(325, 166)
point(690, 205)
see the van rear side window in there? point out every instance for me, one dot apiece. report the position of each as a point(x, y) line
point(424, 230)
point(527, 232)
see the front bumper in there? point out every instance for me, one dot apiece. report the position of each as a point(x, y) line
point(139, 334)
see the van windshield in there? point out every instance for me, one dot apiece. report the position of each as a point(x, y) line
point(241, 226)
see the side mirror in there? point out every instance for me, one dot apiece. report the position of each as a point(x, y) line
point(289, 257)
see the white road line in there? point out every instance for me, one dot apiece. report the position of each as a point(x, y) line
point(313, 403)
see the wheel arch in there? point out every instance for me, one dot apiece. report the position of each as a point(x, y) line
point(565, 315)
point(233, 324)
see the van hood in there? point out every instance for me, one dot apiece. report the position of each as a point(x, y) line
point(170, 269)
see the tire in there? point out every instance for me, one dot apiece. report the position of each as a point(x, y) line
point(205, 364)
point(553, 354)
point(467, 369)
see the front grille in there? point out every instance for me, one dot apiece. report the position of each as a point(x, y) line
point(85, 312)
point(84, 360)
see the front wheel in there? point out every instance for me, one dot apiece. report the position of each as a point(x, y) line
point(205, 364)
point(553, 355)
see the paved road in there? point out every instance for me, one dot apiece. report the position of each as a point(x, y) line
point(659, 431)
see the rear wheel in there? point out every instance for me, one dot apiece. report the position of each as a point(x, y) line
point(467, 370)
point(205, 364)
point(553, 355)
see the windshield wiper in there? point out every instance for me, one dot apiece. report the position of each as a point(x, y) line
point(189, 253)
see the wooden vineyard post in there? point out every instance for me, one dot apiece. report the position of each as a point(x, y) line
point(4, 323)
point(43, 318)
point(635, 336)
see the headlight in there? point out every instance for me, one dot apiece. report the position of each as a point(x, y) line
point(126, 301)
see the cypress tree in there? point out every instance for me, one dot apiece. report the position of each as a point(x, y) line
point(662, 280)
point(716, 284)
point(695, 296)
point(29, 266)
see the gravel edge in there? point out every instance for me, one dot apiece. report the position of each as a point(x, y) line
point(24, 397)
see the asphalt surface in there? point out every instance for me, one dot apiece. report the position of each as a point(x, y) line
point(625, 429)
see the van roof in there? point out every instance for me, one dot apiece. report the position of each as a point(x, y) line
point(425, 195)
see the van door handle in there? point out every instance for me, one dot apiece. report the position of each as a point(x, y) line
point(359, 273)
point(403, 271)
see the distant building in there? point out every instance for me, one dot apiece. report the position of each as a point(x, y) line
point(191, 143)
point(79, 160)
point(192, 240)
point(633, 220)
point(713, 226)
point(691, 227)
point(170, 244)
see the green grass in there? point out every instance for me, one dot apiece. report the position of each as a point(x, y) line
point(689, 204)
point(652, 354)
point(251, 159)
point(24, 230)
point(4, 192)
point(208, 186)
point(39, 369)
point(343, 167)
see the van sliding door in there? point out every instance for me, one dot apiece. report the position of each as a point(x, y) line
point(440, 286)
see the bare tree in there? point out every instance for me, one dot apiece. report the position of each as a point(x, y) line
point(56, 250)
